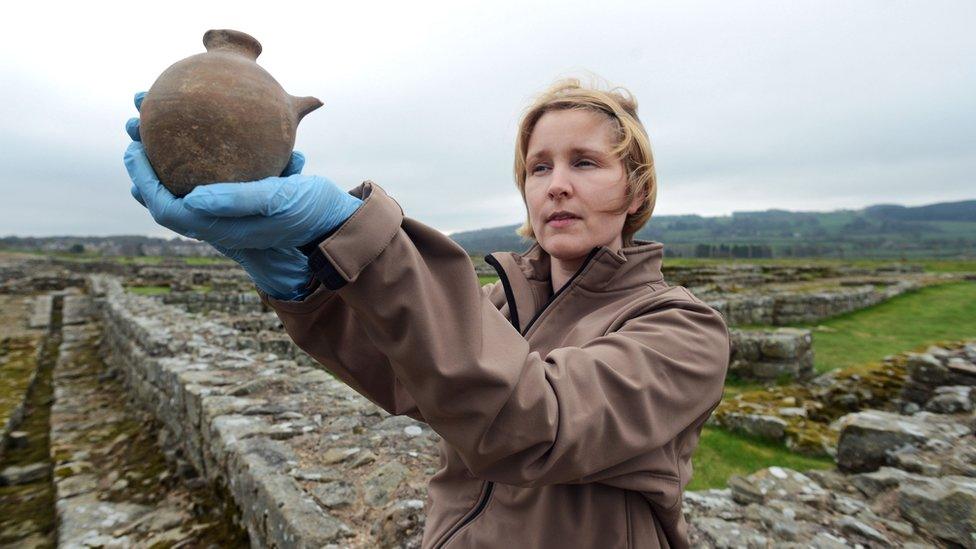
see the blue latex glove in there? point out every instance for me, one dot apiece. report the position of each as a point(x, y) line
point(262, 237)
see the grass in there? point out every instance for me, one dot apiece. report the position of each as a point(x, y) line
point(89, 257)
point(17, 363)
point(916, 319)
point(138, 260)
point(207, 261)
point(910, 321)
point(487, 279)
point(149, 290)
point(930, 265)
point(722, 454)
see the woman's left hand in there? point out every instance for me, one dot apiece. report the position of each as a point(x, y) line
point(275, 212)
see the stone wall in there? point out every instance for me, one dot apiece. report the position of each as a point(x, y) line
point(312, 464)
point(783, 353)
point(111, 483)
point(227, 302)
point(308, 461)
point(735, 274)
point(772, 354)
point(784, 308)
point(903, 479)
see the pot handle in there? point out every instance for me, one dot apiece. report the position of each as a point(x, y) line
point(236, 41)
point(304, 105)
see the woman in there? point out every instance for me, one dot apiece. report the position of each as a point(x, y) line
point(569, 395)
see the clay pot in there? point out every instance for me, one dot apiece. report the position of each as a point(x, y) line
point(219, 117)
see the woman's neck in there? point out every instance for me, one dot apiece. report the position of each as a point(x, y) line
point(560, 271)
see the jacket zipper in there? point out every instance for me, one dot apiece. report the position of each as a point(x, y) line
point(560, 291)
point(473, 514)
point(513, 314)
point(509, 295)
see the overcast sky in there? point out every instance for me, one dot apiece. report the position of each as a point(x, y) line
point(749, 105)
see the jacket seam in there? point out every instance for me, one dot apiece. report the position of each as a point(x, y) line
point(358, 212)
point(664, 476)
point(346, 224)
point(303, 307)
point(367, 262)
point(639, 309)
point(630, 525)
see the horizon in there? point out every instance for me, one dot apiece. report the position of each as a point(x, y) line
point(170, 236)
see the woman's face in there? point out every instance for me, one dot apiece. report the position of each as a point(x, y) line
point(570, 168)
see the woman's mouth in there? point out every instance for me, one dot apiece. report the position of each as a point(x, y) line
point(561, 222)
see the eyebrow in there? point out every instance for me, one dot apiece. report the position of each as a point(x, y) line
point(575, 151)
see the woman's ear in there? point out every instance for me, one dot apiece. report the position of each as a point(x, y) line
point(637, 202)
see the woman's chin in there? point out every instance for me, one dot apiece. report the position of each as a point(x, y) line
point(565, 249)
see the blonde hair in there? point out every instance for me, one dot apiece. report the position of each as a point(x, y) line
point(632, 146)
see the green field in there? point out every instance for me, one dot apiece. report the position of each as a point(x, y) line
point(722, 454)
point(911, 321)
point(946, 312)
point(930, 265)
point(91, 257)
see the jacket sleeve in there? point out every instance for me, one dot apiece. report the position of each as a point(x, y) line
point(514, 416)
point(326, 328)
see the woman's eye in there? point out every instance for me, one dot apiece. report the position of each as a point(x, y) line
point(539, 168)
point(585, 162)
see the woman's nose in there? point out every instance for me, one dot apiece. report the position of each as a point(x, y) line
point(559, 183)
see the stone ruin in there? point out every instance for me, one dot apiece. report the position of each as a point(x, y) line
point(250, 429)
point(906, 463)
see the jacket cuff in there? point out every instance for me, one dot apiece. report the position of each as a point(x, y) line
point(310, 303)
point(359, 240)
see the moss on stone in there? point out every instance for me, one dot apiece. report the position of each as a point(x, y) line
point(28, 509)
point(18, 361)
point(845, 391)
point(136, 457)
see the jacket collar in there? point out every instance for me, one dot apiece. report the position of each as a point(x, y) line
point(528, 276)
point(607, 270)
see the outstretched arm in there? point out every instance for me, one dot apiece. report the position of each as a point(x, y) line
point(326, 328)
point(515, 416)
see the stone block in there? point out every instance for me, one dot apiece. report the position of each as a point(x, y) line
point(886, 478)
point(716, 532)
point(927, 369)
point(868, 438)
point(383, 482)
point(763, 426)
point(944, 508)
point(40, 317)
point(404, 520)
point(952, 399)
point(14, 474)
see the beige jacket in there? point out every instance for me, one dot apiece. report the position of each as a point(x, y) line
point(567, 420)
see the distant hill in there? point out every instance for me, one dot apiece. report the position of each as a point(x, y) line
point(109, 246)
point(945, 211)
point(945, 229)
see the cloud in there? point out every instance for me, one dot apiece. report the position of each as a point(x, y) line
point(749, 106)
